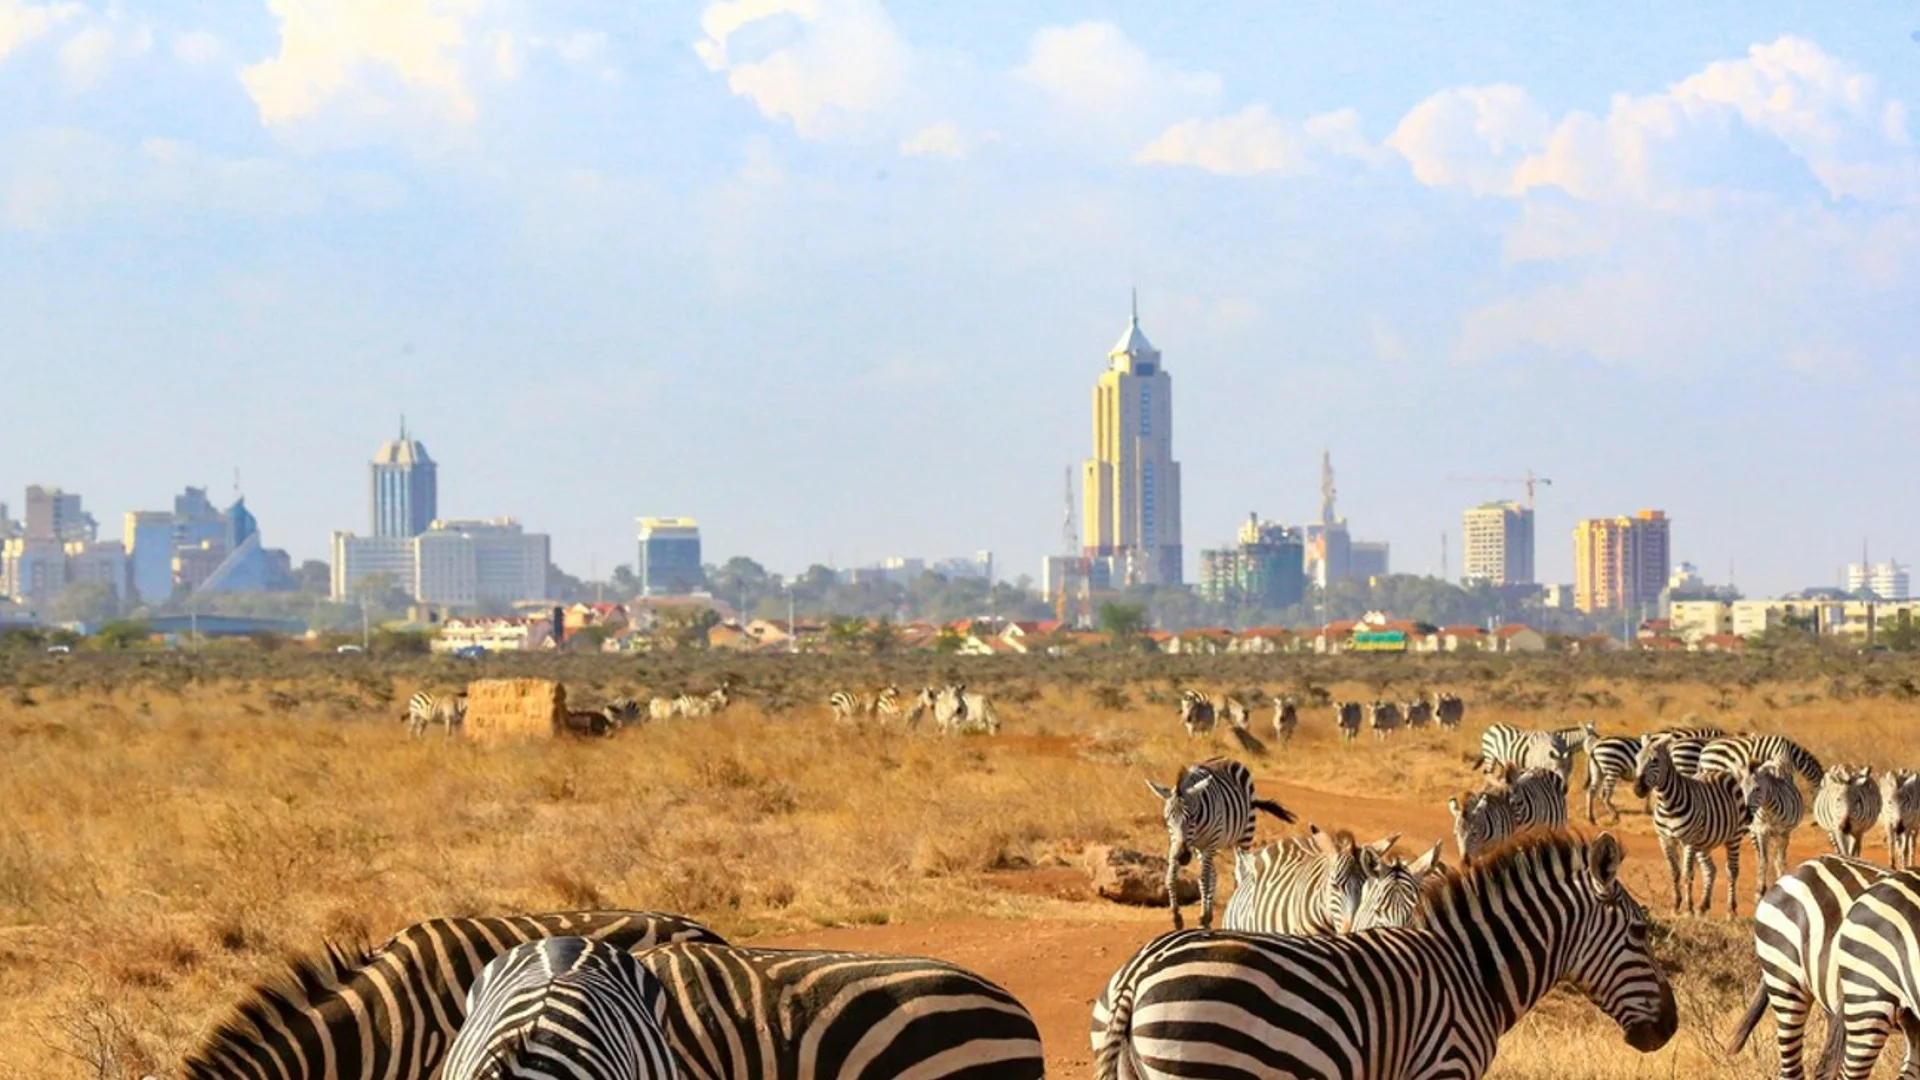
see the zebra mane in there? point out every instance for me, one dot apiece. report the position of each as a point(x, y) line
point(309, 980)
point(1447, 888)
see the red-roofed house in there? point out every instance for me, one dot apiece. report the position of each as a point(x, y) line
point(1514, 637)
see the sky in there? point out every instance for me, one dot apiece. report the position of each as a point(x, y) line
point(836, 277)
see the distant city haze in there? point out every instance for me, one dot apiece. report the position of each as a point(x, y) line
point(837, 280)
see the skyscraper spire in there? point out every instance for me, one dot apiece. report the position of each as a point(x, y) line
point(1326, 486)
point(403, 427)
point(1135, 290)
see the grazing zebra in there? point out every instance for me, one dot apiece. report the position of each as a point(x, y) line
point(1691, 817)
point(1305, 885)
point(1504, 744)
point(1609, 760)
point(1735, 754)
point(1346, 716)
point(424, 710)
point(1900, 814)
point(563, 1008)
point(1210, 806)
point(1846, 805)
point(1419, 712)
point(1384, 717)
point(390, 1012)
point(1196, 711)
point(623, 711)
point(1876, 961)
point(1534, 797)
point(1286, 718)
point(1426, 1002)
point(707, 704)
point(738, 1013)
point(589, 723)
point(1450, 711)
point(848, 706)
point(886, 703)
point(660, 708)
point(1539, 796)
point(1776, 807)
point(1793, 935)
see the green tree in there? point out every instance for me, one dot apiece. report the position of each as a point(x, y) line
point(882, 637)
point(313, 578)
point(1899, 633)
point(846, 634)
point(684, 628)
point(1123, 622)
point(122, 634)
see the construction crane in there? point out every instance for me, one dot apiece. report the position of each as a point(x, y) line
point(1528, 480)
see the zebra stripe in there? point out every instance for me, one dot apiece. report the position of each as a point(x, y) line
point(1384, 716)
point(707, 704)
point(1735, 754)
point(564, 1008)
point(1286, 718)
point(1691, 817)
point(425, 710)
point(1794, 926)
point(1877, 971)
point(1775, 805)
point(1210, 806)
point(1197, 711)
point(1846, 805)
point(886, 703)
point(389, 1013)
point(848, 706)
point(1504, 744)
point(1900, 814)
point(1450, 711)
point(1425, 1002)
point(1304, 885)
point(1395, 889)
point(1346, 716)
point(980, 715)
point(736, 1013)
point(1530, 798)
point(1609, 760)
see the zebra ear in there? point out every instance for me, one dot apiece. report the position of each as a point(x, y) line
point(1384, 844)
point(1160, 789)
point(1603, 862)
point(1453, 804)
point(1428, 863)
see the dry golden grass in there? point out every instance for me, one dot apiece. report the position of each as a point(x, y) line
point(161, 849)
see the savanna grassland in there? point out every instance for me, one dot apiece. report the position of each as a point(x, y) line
point(172, 826)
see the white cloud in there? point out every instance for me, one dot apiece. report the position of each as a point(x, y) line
point(351, 70)
point(198, 48)
point(1092, 71)
point(943, 140)
point(840, 60)
point(1471, 137)
point(91, 53)
point(1253, 141)
point(23, 23)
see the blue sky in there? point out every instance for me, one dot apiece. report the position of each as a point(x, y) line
point(836, 276)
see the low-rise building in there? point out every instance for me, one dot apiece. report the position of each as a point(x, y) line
point(1691, 620)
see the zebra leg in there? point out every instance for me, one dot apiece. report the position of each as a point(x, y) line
point(1670, 847)
point(1207, 882)
point(1173, 889)
point(1868, 1023)
point(1791, 1007)
point(1733, 879)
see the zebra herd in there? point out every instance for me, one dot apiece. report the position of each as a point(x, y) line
point(1199, 711)
point(425, 709)
point(955, 709)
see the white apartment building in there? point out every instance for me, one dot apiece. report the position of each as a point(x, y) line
point(454, 563)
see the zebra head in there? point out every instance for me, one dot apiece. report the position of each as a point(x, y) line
point(1472, 827)
point(1653, 768)
point(1178, 811)
point(1611, 961)
point(1393, 889)
point(1346, 874)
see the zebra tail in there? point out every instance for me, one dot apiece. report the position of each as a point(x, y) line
point(1275, 809)
point(1108, 1064)
point(1835, 1050)
point(1249, 742)
point(1747, 1023)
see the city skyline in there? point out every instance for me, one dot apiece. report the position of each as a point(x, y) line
point(850, 278)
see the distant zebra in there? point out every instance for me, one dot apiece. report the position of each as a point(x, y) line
point(848, 706)
point(1197, 712)
point(1286, 718)
point(1795, 924)
point(1450, 711)
point(1900, 814)
point(1426, 1002)
point(1846, 805)
point(660, 708)
point(1876, 959)
point(1776, 807)
point(1303, 885)
point(391, 1012)
point(564, 1008)
point(1609, 760)
point(1234, 711)
point(623, 711)
point(424, 710)
point(886, 703)
point(1210, 806)
point(980, 715)
point(744, 1012)
point(1691, 817)
point(1384, 716)
point(1346, 716)
point(707, 704)
point(1419, 712)
point(1535, 797)
point(589, 723)
point(1735, 754)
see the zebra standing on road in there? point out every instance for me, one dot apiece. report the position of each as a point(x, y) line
point(1286, 718)
point(1210, 806)
point(1691, 817)
point(1384, 716)
point(1346, 716)
point(1449, 711)
point(1504, 744)
point(390, 1012)
point(1422, 1003)
point(1846, 806)
point(1303, 885)
point(1776, 807)
point(1539, 796)
point(1876, 959)
point(1900, 814)
point(563, 1008)
point(1609, 760)
point(1196, 711)
point(1794, 929)
point(424, 710)
point(1736, 754)
point(742, 1012)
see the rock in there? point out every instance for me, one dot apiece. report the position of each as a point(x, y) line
point(1126, 876)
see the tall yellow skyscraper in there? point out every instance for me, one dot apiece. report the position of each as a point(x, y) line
point(1621, 562)
point(1131, 485)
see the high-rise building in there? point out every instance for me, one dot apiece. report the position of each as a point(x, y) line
point(1622, 561)
point(452, 563)
point(670, 557)
point(148, 538)
point(53, 514)
point(1886, 581)
point(32, 571)
point(1268, 568)
point(1131, 485)
point(1499, 544)
point(1369, 559)
point(406, 492)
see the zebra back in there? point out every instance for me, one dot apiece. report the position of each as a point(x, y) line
point(1305, 885)
point(563, 1008)
point(1346, 717)
point(1702, 812)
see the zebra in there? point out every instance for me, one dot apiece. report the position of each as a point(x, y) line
point(1304, 885)
point(1449, 711)
point(1609, 759)
point(592, 723)
point(623, 711)
point(1794, 928)
point(1196, 712)
point(1210, 806)
point(979, 715)
point(1846, 805)
point(1686, 751)
point(848, 706)
point(562, 1008)
point(1735, 754)
point(1234, 711)
point(1394, 889)
point(1776, 807)
point(1346, 716)
point(424, 710)
point(1900, 814)
point(1384, 717)
point(743, 1012)
point(1504, 744)
point(1876, 972)
point(1286, 718)
point(1539, 796)
point(886, 703)
point(390, 1012)
point(707, 704)
point(660, 708)
point(1425, 1002)
point(1691, 817)
point(1535, 797)
point(1419, 712)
